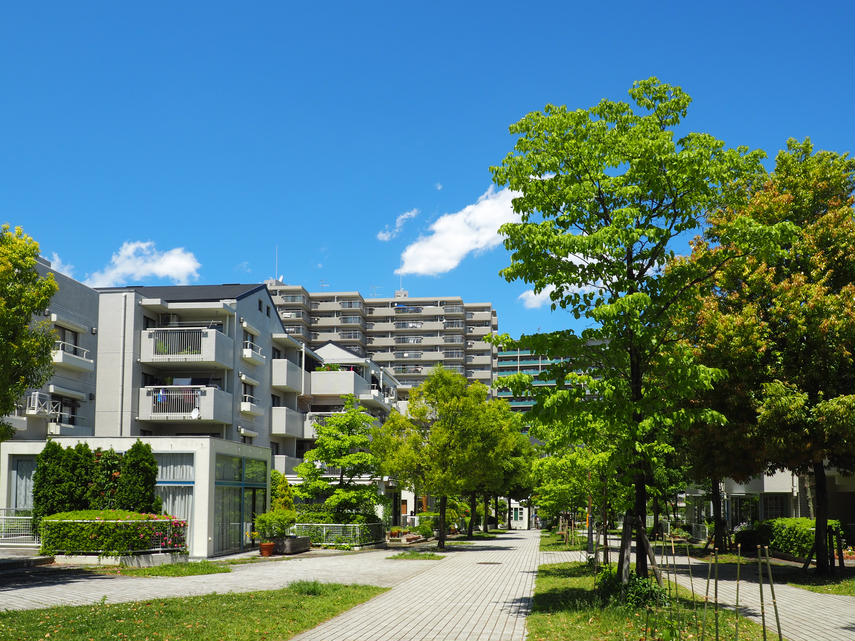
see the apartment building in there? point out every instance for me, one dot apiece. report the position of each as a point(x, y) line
point(66, 403)
point(521, 362)
point(408, 335)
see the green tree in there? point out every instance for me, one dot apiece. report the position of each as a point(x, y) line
point(603, 192)
point(137, 479)
point(792, 314)
point(105, 479)
point(53, 484)
point(341, 471)
point(282, 496)
point(25, 345)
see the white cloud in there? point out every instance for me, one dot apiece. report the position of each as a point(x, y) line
point(58, 266)
point(138, 260)
point(472, 229)
point(438, 186)
point(388, 234)
point(531, 300)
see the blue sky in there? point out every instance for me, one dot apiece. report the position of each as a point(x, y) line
point(185, 142)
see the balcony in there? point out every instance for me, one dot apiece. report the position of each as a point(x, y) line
point(72, 357)
point(290, 377)
point(338, 383)
point(287, 422)
point(192, 403)
point(252, 353)
point(179, 346)
point(61, 420)
point(453, 310)
point(38, 404)
point(286, 464)
point(408, 309)
point(249, 405)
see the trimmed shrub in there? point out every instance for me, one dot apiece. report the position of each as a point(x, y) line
point(425, 529)
point(110, 532)
point(135, 487)
point(275, 524)
point(102, 489)
point(792, 536)
point(52, 483)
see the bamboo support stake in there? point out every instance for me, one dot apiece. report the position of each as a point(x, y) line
point(772, 590)
point(706, 601)
point(760, 581)
point(674, 568)
point(738, 568)
point(715, 555)
point(692, 586)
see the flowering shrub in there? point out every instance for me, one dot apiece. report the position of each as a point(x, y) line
point(111, 532)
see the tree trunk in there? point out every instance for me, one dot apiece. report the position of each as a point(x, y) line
point(718, 522)
point(443, 502)
point(486, 513)
point(656, 510)
point(640, 512)
point(473, 513)
point(510, 526)
point(496, 507)
point(820, 536)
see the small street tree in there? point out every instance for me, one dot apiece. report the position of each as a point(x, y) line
point(341, 471)
point(602, 193)
point(25, 344)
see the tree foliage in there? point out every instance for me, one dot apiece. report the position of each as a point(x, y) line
point(138, 476)
point(783, 326)
point(25, 344)
point(602, 193)
point(341, 471)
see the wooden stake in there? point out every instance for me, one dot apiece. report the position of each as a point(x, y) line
point(692, 586)
point(715, 554)
point(738, 568)
point(772, 590)
point(760, 581)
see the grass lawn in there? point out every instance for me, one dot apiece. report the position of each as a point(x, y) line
point(190, 568)
point(553, 542)
point(275, 614)
point(416, 554)
point(566, 608)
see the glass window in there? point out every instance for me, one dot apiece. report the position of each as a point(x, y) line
point(255, 471)
point(228, 468)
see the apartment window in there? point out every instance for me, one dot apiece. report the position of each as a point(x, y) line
point(274, 448)
point(260, 305)
point(277, 353)
point(275, 401)
point(248, 392)
point(67, 338)
point(268, 311)
point(65, 409)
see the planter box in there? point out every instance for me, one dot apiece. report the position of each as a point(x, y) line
point(295, 544)
point(129, 560)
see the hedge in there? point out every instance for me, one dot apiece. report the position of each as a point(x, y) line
point(794, 536)
point(111, 533)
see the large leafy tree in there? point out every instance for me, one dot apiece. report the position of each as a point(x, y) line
point(791, 316)
point(602, 193)
point(25, 345)
point(436, 448)
point(341, 471)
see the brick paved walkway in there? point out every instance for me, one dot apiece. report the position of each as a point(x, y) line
point(480, 592)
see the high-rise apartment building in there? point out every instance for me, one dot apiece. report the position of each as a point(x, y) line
point(521, 362)
point(408, 335)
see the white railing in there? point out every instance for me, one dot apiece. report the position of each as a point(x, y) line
point(453, 339)
point(409, 339)
point(255, 349)
point(16, 528)
point(63, 417)
point(453, 309)
point(39, 403)
point(248, 398)
point(70, 348)
point(175, 399)
point(174, 341)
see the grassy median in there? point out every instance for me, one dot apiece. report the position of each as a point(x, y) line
point(274, 614)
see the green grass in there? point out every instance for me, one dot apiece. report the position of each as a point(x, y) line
point(566, 608)
point(552, 542)
point(416, 554)
point(170, 569)
point(249, 616)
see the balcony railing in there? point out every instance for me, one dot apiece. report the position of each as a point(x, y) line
point(409, 339)
point(178, 345)
point(453, 324)
point(408, 309)
point(456, 338)
point(252, 352)
point(185, 403)
point(453, 309)
point(408, 325)
point(70, 348)
point(39, 404)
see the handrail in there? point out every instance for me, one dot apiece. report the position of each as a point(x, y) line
point(70, 348)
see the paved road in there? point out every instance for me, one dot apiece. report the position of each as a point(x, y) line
point(479, 592)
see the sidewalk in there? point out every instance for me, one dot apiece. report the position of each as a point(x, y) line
point(480, 592)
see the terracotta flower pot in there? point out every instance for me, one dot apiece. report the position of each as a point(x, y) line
point(266, 549)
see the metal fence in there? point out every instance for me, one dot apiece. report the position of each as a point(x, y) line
point(341, 534)
point(16, 528)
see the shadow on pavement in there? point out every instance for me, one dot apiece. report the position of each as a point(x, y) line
point(48, 576)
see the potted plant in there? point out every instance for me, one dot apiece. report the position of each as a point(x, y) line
point(274, 526)
point(265, 548)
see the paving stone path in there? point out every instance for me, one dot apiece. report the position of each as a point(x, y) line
point(480, 592)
